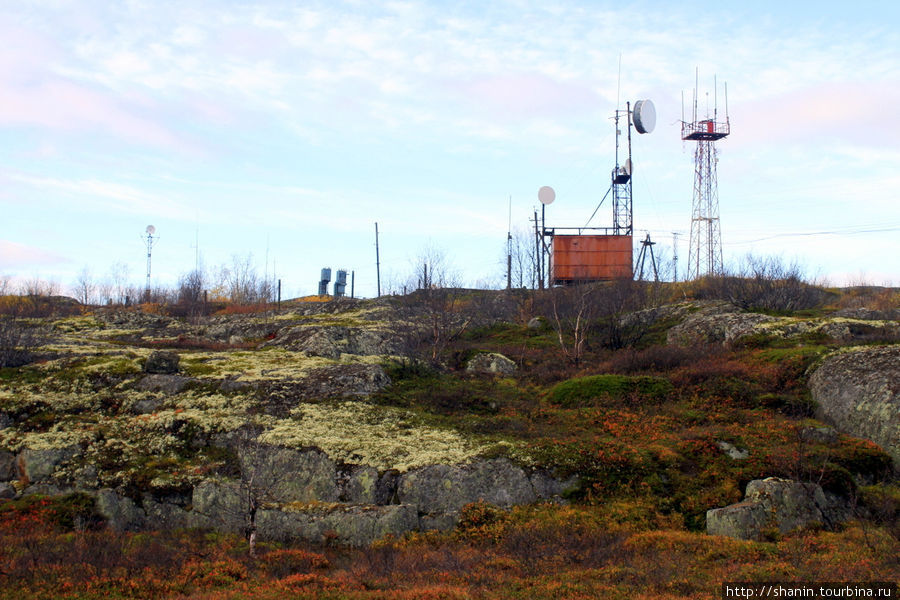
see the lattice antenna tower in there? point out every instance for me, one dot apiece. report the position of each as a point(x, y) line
point(150, 240)
point(705, 255)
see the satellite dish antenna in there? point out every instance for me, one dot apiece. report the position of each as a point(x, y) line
point(628, 166)
point(546, 195)
point(151, 229)
point(644, 116)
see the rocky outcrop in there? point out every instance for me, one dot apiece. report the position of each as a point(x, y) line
point(121, 513)
point(162, 362)
point(708, 327)
point(351, 525)
point(773, 504)
point(331, 341)
point(491, 363)
point(859, 393)
point(39, 464)
point(444, 489)
point(288, 475)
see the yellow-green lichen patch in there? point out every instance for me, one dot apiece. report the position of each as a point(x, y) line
point(78, 324)
point(262, 365)
point(385, 438)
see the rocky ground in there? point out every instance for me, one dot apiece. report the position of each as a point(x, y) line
point(353, 419)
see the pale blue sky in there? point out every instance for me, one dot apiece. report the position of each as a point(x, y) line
point(298, 125)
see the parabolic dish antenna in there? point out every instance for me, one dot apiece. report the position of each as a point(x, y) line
point(546, 195)
point(151, 229)
point(628, 166)
point(644, 116)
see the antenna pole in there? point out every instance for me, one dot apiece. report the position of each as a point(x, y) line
point(377, 262)
point(509, 248)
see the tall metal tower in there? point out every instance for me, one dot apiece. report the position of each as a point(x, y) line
point(705, 255)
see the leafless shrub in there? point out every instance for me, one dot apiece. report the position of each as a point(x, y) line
point(765, 284)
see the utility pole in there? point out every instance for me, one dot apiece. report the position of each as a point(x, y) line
point(377, 262)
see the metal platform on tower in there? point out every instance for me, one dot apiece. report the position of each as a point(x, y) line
point(707, 130)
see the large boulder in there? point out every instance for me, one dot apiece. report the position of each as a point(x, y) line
point(162, 362)
point(331, 341)
point(38, 464)
point(277, 474)
point(446, 489)
point(713, 327)
point(491, 363)
point(121, 513)
point(771, 504)
point(859, 393)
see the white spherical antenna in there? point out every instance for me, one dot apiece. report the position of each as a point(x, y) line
point(644, 116)
point(546, 195)
point(151, 229)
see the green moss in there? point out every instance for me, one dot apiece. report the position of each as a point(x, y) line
point(610, 389)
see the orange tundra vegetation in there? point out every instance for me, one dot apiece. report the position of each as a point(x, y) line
point(620, 549)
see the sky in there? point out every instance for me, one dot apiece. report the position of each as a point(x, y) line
point(285, 130)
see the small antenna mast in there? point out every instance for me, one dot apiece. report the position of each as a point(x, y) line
point(150, 241)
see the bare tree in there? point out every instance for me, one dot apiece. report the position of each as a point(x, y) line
point(118, 276)
point(574, 313)
point(85, 287)
point(524, 259)
point(6, 285)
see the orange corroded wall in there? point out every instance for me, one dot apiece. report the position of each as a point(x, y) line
point(590, 258)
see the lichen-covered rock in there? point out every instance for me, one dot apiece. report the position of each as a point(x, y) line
point(491, 363)
point(720, 327)
point(121, 513)
point(333, 340)
point(287, 475)
point(859, 393)
point(162, 514)
point(446, 489)
point(771, 504)
point(38, 464)
point(346, 524)
point(359, 484)
point(162, 362)
point(219, 504)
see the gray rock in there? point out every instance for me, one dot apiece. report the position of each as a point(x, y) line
point(722, 328)
point(166, 515)
point(167, 384)
point(445, 489)
point(536, 323)
point(287, 475)
point(38, 465)
point(344, 381)
point(7, 466)
point(733, 451)
point(5, 421)
point(359, 485)
point(7, 491)
point(491, 363)
point(162, 362)
point(331, 341)
point(345, 524)
point(859, 393)
point(771, 503)
point(121, 513)
point(220, 505)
